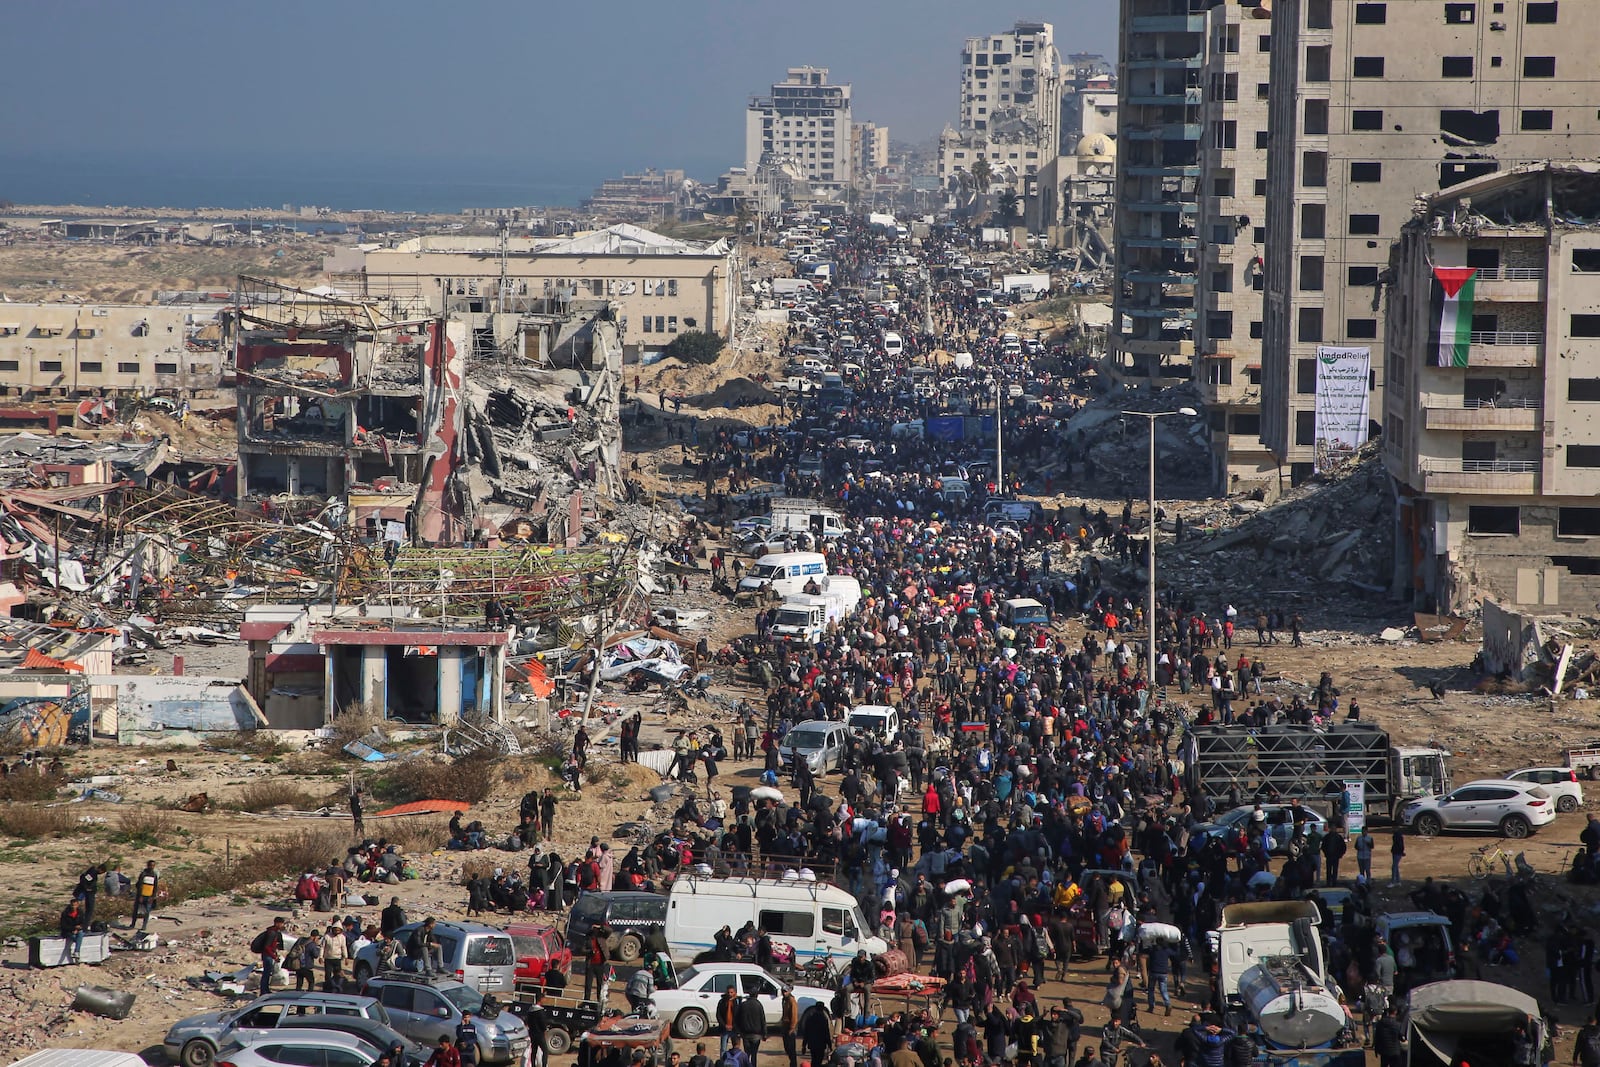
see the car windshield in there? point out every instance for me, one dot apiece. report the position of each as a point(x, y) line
point(465, 998)
point(868, 721)
point(767, 570)
point(806, 740)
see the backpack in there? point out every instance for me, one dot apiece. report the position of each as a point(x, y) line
point(259, 945)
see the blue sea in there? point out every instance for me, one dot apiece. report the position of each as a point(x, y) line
point(282, 175)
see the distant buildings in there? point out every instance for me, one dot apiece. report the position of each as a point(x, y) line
point(1010, 112)
point(654, 196)
point(111, 349)
point(658, 286)
point(804, 120)
point(869, 152)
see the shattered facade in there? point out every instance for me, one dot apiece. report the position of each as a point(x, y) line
point(1010, 110)
point(1485, 90)
point(1163, 47)
point(1493, 405)
point(333, 395)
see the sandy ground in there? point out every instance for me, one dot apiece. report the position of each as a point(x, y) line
point(73, 270)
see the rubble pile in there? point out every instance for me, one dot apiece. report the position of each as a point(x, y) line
point(1337, 530)
point(1111, 448)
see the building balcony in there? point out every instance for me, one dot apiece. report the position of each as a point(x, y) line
point(1167, 24)
point(1498, 476)
point(1151, 277)
point(1187, 97)
point(1504, 414)
point(1174, 171)
point(1509, 285)
point(1239, 392)
point(1194, 62)
point(1171, 131)
point(1159, 242)
point(1185, 207)
point(1505, 348)
point(1165, 312)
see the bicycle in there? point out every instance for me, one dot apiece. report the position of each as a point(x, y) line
point(1481, 864)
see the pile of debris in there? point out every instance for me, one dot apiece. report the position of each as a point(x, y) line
point(1335, 530)
point(1111, 447)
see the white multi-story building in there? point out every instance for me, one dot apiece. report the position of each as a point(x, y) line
point(1010, 112)
point(1372, 105)
point(869, 150)
point(805, 120)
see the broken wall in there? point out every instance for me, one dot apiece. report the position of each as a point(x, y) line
point(1510, 641)
point(161, 709)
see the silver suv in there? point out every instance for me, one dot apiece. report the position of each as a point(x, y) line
point(193, 1042)
point(820, 742)
point(426, 1008)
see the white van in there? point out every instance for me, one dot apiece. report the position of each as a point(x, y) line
point(785, 573)
point(816, 918)
point(893, 345)
point(880, 719)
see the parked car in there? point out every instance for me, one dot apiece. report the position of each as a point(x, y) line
point(691, 1007)
point(633, 919)
point(1427, 935)
point(425, 1008)
point(1560, 782)
point(540, 951)
point(479, 955)
point(820, 743)
point(193, 1042)
point(1516, 809)
point(324, 1048)
point(1280, 824)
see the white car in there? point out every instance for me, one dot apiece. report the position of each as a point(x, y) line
point(1516, 809)
point(691, 1008)
point(306, 1046)
point(1560, 782)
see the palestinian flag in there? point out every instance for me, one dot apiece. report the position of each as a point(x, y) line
point(1451, 304)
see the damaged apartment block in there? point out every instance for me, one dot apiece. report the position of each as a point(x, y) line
point(334, 396)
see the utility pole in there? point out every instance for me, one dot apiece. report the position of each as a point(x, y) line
point(999, 443)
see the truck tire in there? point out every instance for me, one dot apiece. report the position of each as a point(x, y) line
point(197, 1053)
point(1515, 826)
point(556, 1041)
point(690, 1023)
point(1427, 825)
point(629, 948)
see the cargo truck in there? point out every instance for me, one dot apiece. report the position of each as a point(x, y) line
point(1283, 762)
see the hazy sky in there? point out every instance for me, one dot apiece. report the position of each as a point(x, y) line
point(562, 88)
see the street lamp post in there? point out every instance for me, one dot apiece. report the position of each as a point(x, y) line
point(1150, 562)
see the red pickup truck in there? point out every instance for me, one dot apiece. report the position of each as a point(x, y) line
point(540, 950)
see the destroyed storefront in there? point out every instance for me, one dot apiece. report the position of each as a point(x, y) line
point(308, 665)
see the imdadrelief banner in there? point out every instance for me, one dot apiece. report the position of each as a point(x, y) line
point(1342, 403)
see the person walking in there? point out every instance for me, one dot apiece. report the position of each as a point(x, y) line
point(467, 1040)
point(1333, 849)
point(335, 950)
point(88, 889)
point(144, 895)
point(1364, 847)
point(789, 1026)
point(594, 962)
point(816, 1032)
point(727, 1020)
point(1397, 852)
point(307, 951)
point(269, 946)
point(446, 1054)
point(751, 1019)
point(1388, 1039)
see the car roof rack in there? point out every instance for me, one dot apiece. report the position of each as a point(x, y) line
point(411, 977)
